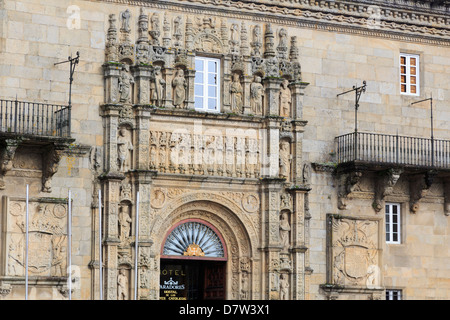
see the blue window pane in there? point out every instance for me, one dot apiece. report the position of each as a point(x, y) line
point(199, 65)
point(212, 104)
point(212, 66)
point(212, 79)
point(212, 92)
point(199, 102)
point(199, 77)
point(198, 90)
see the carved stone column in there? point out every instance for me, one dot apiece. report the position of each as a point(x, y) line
point(110, 217)
point(142, 133)
point(297, 92)
point(226, 81)
point(146, 287)
point(297, 152)
point(112, 73)
point(271, 161)
point(272, 249)
point(190, 78)
point(246, 84)
point(299, 242)
point(142, 75)
point(168, 74)
point(272, 101)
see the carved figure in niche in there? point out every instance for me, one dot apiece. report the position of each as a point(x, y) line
point(125, 21)
point(284, 287)
point(157, 87)
point(155, 32)
point(234, 41)
point(122, 285)
point(179, 91)
point(59, 259)
point(124, 223)
point(285, 228)
point(244, 286)
point(257, 41)
point(285, 159)
point(236, 94)
point(125, 82)
point(153, 162)
point(125, 192)
point(124, 147)
point(285, 99)
point(256, 95)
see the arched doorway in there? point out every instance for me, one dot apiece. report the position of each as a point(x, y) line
point(193, 262)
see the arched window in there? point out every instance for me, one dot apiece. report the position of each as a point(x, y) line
point(193, 239)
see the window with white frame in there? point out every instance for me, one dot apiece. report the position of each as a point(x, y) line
point(393, 223)
point(392, 294)
point(409, 74)
point(207, 84)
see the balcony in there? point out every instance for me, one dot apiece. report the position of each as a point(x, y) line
point(386, 158)
point(33, 120)
point(392, 150)
point(33, 126)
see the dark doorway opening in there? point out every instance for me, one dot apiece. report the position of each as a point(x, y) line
point(186, 279)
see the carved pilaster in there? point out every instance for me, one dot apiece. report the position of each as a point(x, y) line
point(142, 76)
point(272, 94)
point(298, 92)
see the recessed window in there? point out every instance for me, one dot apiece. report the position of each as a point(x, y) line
point(409, 74)
point(392, 223)
point(207, 84)
point(393, 294)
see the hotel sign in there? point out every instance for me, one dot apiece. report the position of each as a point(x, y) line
point(173, 283)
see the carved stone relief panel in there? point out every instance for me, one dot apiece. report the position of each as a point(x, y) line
point(354, 250)
point(217, 154)
point(47, 237)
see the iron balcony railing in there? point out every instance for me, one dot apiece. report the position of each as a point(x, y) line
point(393, 149)
point(36, 119)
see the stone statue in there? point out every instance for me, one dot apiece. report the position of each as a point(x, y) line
point(256, 95)
point(125, 82)
point(285, 99)
point(179, 91)
point(285, 228)
point(122, 285)
point(285, 159)
point(124, 147)
point(125, 223)
point(125, 21)
point(256, 41)
point(236, 94)
point(284, 287)
point(157, 87)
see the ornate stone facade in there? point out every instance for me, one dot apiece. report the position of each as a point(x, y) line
point(260, 170)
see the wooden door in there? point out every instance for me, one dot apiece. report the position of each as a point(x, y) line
point(214, 283)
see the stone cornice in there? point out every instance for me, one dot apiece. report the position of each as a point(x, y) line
point(398, 20)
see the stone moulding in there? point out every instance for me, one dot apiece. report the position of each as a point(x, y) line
point(412, 22)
